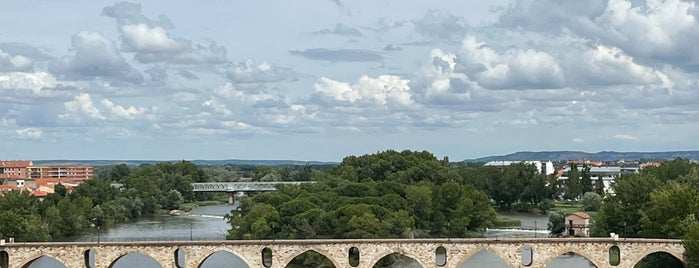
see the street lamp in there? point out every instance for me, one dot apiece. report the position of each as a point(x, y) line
point(98, 229)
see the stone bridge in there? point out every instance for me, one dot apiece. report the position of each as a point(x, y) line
point(428, 252)
point(237, 187)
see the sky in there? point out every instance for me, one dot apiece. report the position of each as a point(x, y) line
point(324, 79)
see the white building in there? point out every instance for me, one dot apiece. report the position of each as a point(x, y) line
point(545, 168)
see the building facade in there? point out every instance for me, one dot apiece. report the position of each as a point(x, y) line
point(14, 169)
point(578, 224)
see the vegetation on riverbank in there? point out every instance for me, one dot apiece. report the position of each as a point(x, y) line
point(145, 190)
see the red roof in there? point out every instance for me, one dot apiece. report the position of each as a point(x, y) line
point(40, 193)
point(581, 214)
point(16, 163)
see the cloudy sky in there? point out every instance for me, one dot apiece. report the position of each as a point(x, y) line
point(323, 79)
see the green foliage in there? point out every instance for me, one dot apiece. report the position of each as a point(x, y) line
point(556, 225)
point(545, 205)
point(573, 185)
point(384, 195)
point(506, 222)
point(691, 245)
point(518, 184)
point(95, 203)
point(591, 201)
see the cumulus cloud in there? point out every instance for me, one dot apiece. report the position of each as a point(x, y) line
point(15, 48)
point(144, 38)
point(339, 55)
point(439, 83)
point(81, 107)
point(29, 81)
point(15, 63)
point(95, 57)
point(652, 30)
point(152, 43)
point(119, 111)
point(250, 72)
point(383, 90)
point(516, 68)
point(30, 133)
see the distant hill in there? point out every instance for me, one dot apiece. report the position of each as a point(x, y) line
point(197, 162)
point(577, 155)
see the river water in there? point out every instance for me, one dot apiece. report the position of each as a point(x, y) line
point(207, 223)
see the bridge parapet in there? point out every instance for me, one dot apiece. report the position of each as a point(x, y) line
point(242, 186)
point(371, 250)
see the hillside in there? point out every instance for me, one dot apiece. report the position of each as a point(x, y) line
point(576, 155)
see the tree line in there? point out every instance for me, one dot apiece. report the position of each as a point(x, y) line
point(144, 191)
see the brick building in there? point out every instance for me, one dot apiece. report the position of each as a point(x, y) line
point(14, 169)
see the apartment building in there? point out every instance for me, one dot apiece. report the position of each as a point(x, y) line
point(14, 169)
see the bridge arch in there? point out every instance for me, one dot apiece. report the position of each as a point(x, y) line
point(493, 250)
point(135, 253)
point(332, 256)
point(386, 253)
point(203, 261)
point(27, 263)
point(334, 262)
point(578, 251)
point(198, 257)
point(638, 257)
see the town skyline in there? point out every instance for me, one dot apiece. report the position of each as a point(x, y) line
point(322, 79)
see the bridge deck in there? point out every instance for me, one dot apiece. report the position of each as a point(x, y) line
point(242, 186)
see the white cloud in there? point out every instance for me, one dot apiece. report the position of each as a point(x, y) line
point(229, 91)
point(383, 90)
point(626, 137)
point(217, 107)
point(34, 82)
point(610, 65)
point(15, 63)
point(95, 57)
point(144, 38)
point(121, 112)
point(31, 133)
point(82, 106)
point(516, 68)
point(250, 72)
point(657, 24)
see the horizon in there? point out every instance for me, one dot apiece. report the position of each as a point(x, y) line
point(340, 160)
point(324, 79)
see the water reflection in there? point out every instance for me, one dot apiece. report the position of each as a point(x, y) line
point(44, 262)
point(571, 260)
point(136, 260)
point(484, 258)
point(223, 259)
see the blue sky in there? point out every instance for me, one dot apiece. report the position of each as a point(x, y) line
point(323, 79)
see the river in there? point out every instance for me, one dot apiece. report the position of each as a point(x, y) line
point(208, 223)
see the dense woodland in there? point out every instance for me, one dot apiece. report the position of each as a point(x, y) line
point(388, 194)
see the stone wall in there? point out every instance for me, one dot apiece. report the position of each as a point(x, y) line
point(371, 251)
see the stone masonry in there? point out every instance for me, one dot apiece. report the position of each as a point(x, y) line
point(371, 251)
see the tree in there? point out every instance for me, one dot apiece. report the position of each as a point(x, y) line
point(557, 224)
point(591, 201)
point(599, 186)
point(621, 213)
point(691, 246)
point(670, 211)
point(585, 180)
point(573, 187)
